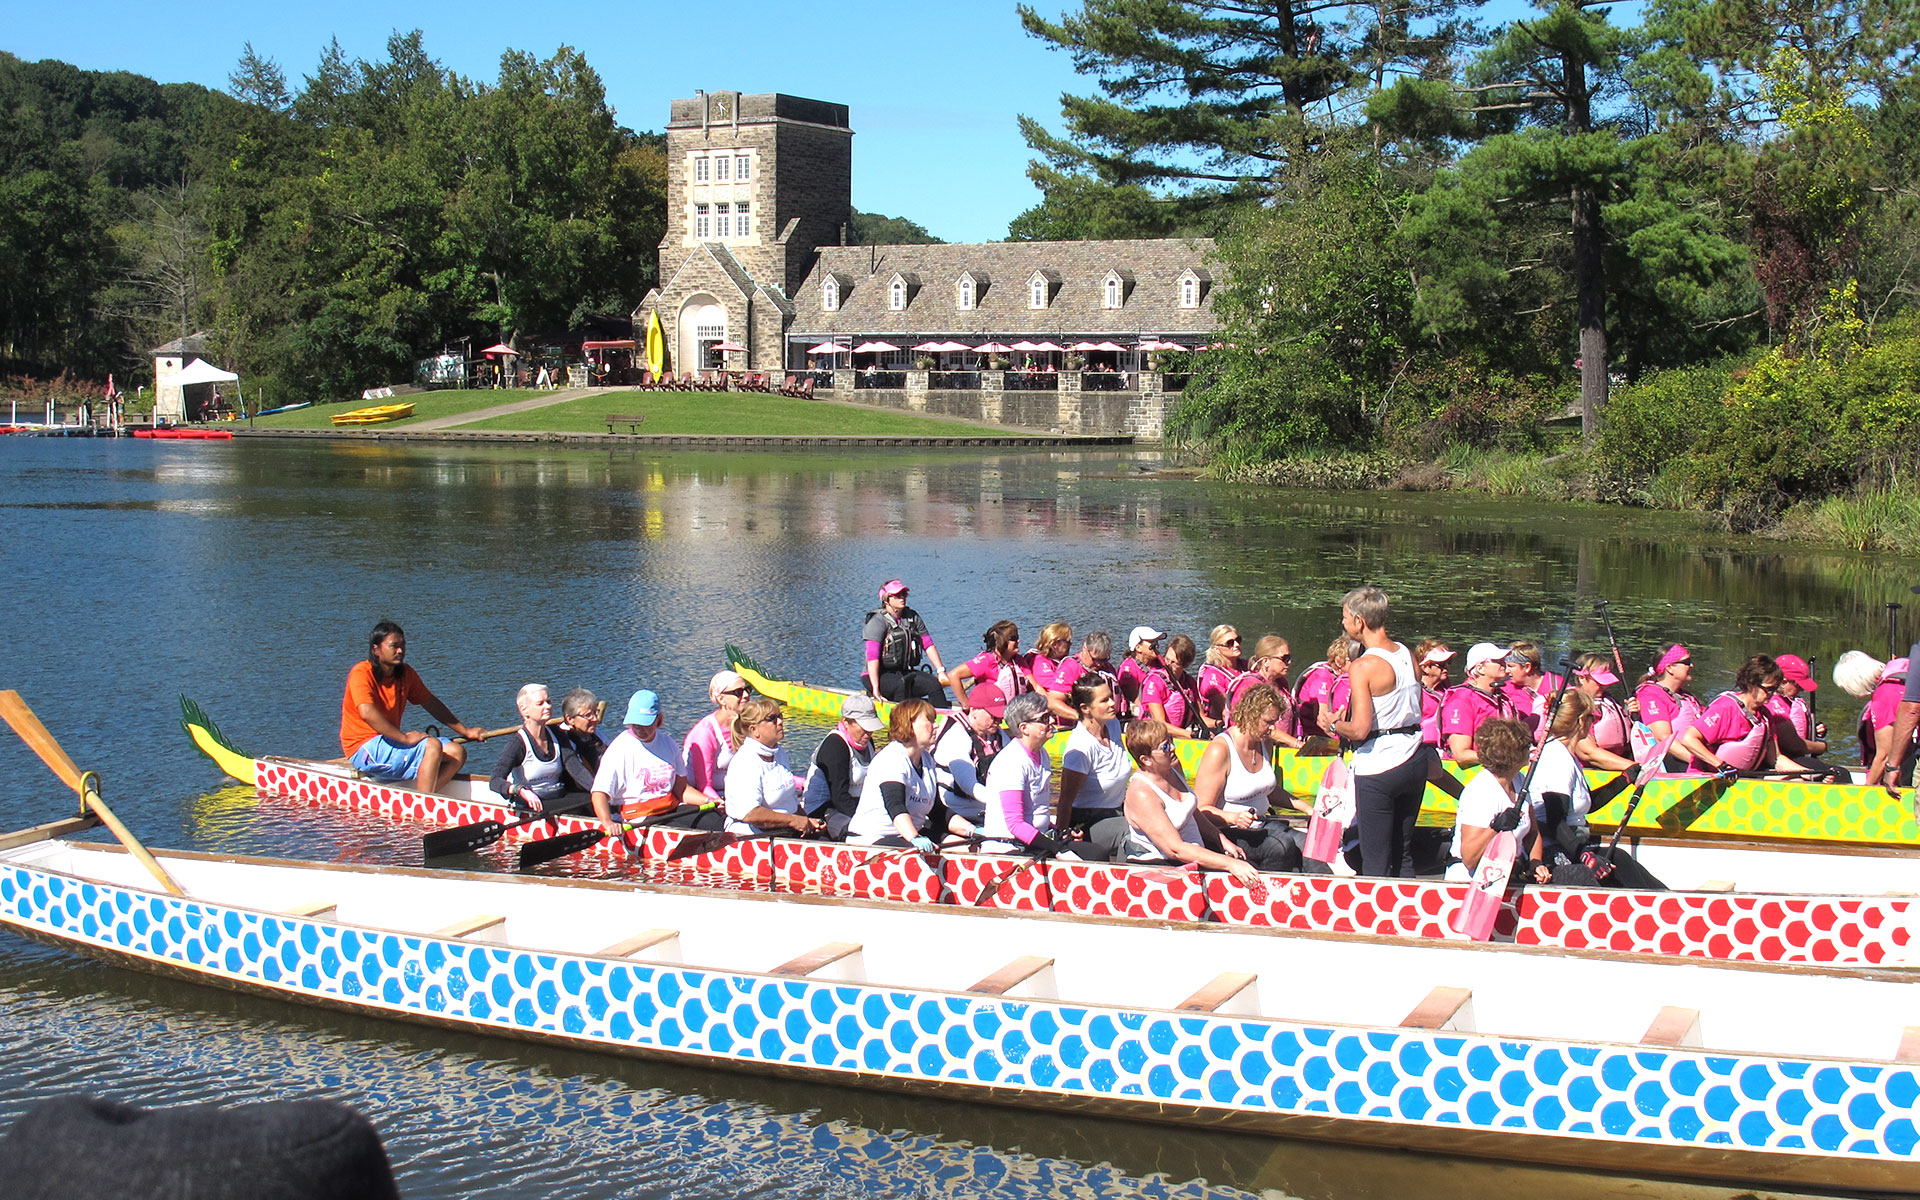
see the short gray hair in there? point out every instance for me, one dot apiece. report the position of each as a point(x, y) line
point(1368, 603)
point(578, 701)
point(1027, 706)
point(1099, 643)
point(529, 696)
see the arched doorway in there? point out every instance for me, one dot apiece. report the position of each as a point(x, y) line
point(702, 325)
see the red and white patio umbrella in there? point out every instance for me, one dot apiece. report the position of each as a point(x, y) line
point(1108, 348)
point(500, 348)
point(992, 348)
point(1044, 348)
point(876, 348)
point(728, 348)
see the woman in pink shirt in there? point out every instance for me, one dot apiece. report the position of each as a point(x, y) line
point(1319, 695)
point(1000, 664)
point(1876, 723)
point(1224, 668)
point(1050, 649)
point(1169, 694)
point(1734, 732)
point(710, 744)
point(1475, 702)
point(1663, 695)
point(1791, 710)
point(1608, 744)
point(1530, 687)
point(1143, 656)
point(1430, 659)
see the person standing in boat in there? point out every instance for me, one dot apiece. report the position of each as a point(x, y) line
point(761, 798)
point(642, 764)
point(897, 642)
point(900, 801)
point(965, 748)
point(1163, 821)
point(839, 768)
point(1478, 700)
point(1000, 664)
point(539, 765)
point(1143, 656)
point(379, 688)
point(710, 743)
point(1390, 763)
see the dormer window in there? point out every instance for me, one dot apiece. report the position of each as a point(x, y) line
point(830, 295)
point(1040, 289)
point(1114, 289)
point(968, 289)
point(1112, 296)
point(897, 294)
point(1192, 286)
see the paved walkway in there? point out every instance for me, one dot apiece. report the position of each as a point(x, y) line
point(544, 400)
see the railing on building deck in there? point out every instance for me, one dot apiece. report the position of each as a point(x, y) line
point(880, 379)
point(1032, 381)
point(954, 380)
point(822, 378)
point(1109, 381)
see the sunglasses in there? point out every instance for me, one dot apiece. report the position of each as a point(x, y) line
point(1231, 642)
point(1683, 662)
point(739, 691)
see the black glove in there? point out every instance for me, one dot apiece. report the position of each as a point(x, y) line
point(1045, 845)
point(1634, 771)
point(1507, 821)
point(1727, 773)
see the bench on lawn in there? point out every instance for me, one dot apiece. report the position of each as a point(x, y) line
point(631, 420)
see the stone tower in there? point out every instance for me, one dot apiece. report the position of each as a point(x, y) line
point(754, 184)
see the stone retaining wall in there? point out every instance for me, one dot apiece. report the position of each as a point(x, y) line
point(1067, 409)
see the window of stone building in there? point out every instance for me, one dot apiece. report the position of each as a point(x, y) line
point(1037, 292)
point(702, 224)
point(1189, 292)
point(1112, 298)
point(720, 223)
point(741, 171)
point(700, 169)
point(830, 295)
point(897, 295)
point(966, 299)
point(742, 220)
point(720, 168)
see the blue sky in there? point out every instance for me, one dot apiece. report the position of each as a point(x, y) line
point(934, 88)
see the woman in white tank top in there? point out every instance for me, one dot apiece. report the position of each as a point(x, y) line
point(1163, 821)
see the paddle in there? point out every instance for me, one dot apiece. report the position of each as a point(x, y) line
point(476, 836)
point(719, 839)
point(534, 853)
point(1893, 635)
point(1647, 774)
point(1619, 664)
point(87, 784)
point(1007, 876)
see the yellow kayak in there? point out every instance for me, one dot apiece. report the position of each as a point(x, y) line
point(374, 416)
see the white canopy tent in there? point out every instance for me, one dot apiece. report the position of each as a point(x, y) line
point(169, 402)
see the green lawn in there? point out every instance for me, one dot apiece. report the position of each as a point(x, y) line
point(425, 405)
point(730, 413)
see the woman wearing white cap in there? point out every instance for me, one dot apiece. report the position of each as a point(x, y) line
point(1143, 656)
point(1430, 658)
point(710, 743)
point(1478, 700)
point(838, 771)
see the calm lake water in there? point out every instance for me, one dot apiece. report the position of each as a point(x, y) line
point(247, 574)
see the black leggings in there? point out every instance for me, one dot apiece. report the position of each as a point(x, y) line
point(912, 685)
point(1269, 847)
point(1386, 806)
point(1627, 872)
point(1106, 830)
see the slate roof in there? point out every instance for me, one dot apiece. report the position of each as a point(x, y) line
point(1152, 304)
point(193, 343)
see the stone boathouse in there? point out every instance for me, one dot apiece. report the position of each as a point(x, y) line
point(759, 197)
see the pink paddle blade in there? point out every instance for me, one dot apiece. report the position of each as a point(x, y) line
point(1481, 907)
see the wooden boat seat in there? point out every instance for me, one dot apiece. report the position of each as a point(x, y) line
point(1715, 885)
point(480, 928)
point(1443, 1008)
point(1023, 970)
point(1224, 987)
point(1909, 1050)
point(817, 959)
point(1673, 1027)
point(48, 831)
point(313, 908)
point(644, 940)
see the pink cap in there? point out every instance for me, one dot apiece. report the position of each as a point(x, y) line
point(1602, 675)
point(891, 587)
point(1674, 654)
point(1795, 668)
point(988, 696)
point(1438, 656)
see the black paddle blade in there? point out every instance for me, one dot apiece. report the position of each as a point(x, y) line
point(461, 839)
point(534, 853)
point(706, 843)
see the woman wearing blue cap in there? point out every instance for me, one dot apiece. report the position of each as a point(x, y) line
point(644, 763)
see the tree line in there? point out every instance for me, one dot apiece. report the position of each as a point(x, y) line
point(1440, 231)
point(323, 235)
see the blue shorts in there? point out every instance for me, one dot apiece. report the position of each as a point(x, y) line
point(384, 759)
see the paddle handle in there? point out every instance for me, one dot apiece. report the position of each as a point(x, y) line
point(91, 802)
point(1619, 664)
point(599, 713)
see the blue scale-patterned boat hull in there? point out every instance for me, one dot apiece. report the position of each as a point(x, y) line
point(1642, 1110)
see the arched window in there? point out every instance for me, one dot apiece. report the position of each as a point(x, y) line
point(1189, 292)
point(830, 295)
point(966, 294)
point(1113, 291)
point(897, 295)
point(1037, 292)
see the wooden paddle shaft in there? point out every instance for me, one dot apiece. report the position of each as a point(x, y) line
point(94, 804)
point(599, 713)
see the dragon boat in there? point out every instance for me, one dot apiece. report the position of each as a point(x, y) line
point(1813, 908)
point(1754, 1074)
point(1779, 811)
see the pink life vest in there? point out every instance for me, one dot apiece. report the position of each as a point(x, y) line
point(1430, 702)
point(1689, 715)
point(1609, 725)
point(1224, 680)
point(1746, 752)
